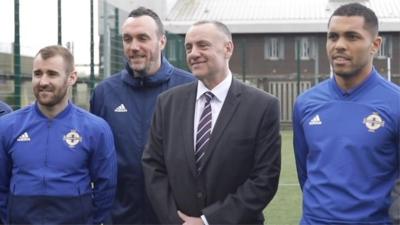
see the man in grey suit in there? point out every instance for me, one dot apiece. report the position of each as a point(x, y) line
point(213, 156)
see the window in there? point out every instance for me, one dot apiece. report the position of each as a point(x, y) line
point(305, 48)
point(273, 48)
point(172, 52)
point(386, 47)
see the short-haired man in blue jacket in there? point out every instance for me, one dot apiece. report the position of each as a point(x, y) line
point(126, 101)
point(57, 161)
point(346, 129)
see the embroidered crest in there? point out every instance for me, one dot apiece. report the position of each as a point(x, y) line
point(373, 122)
point(72, 138)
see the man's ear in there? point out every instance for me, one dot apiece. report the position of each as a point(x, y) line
point(376, 45)
point(72, 78)
point(229, 49)
point(162, 42)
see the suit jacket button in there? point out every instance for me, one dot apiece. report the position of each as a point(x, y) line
point(199, 194)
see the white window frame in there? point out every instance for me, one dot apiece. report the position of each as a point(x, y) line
point(273, 48)
point(305, 48)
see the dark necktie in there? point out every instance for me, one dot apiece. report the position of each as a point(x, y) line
point(203, 131)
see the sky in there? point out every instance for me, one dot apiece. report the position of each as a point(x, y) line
point(38, 26)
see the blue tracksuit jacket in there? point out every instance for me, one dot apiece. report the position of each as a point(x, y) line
point(48, 167)
point(346, 147)
point(127, 104)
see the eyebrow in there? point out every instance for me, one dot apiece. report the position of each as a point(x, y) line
point(135, 35)
point(40, 70)
point(351, 32)
point(345, 32)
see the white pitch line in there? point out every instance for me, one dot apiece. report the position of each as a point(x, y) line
point(283, 184)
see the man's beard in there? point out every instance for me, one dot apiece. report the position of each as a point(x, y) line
point(348, 74)
point(55, 99)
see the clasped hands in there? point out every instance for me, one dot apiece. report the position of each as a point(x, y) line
point(188, 220)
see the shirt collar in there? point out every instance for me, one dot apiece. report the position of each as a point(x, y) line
point(220, 91)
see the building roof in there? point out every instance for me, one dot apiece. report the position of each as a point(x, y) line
point(273, 16)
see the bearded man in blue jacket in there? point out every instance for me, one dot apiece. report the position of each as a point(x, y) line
point(57, 161)
point(126, 101)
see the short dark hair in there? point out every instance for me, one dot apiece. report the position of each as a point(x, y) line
point(54, 50)
point(357, 9)
point(142, 11)
point(220, 26)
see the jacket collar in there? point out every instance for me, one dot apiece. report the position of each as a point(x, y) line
point(60, 115)
point(161, 76)
point(362, 86)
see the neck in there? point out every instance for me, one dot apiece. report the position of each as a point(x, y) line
point(347, 83)
point(217, 79)
point(153, 68)
point(52, 111)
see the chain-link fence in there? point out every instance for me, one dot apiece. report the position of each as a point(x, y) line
point(283, 76)
point(282, 64)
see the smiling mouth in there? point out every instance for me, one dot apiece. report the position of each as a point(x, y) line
point(45, 92)
point(136, 57)
point(197, 63)
point(340, 59)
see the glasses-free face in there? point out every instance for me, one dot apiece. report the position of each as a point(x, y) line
point(207, 52)
point(51, 81)
point(142, 44)
point(350, 46)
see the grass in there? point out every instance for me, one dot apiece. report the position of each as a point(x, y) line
point(285, 208)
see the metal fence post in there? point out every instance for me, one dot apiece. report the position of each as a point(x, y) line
point(17, 57)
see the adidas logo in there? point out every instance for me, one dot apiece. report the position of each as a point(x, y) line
point(120, 108)
point(315, 121)
point(24, 137)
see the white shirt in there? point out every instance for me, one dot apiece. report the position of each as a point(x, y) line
point(220, 92)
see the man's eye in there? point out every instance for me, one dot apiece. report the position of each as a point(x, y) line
point(332, 36)
point(353, 37)
point(127, 39)
point(143, 38)
point(52, 73)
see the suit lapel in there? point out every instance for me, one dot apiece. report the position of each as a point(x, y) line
point(225, 116)
point(187, 116)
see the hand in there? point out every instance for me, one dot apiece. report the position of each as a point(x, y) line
point(188, 220)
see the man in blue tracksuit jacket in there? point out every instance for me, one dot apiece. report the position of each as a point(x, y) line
point(126, 100)
point(57, 161)
point(347, 129)
point(4, 108)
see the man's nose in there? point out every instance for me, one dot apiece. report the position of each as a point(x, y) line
point(194, 52)
point(134, 45)
point(44, 80)
point(341, 43)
